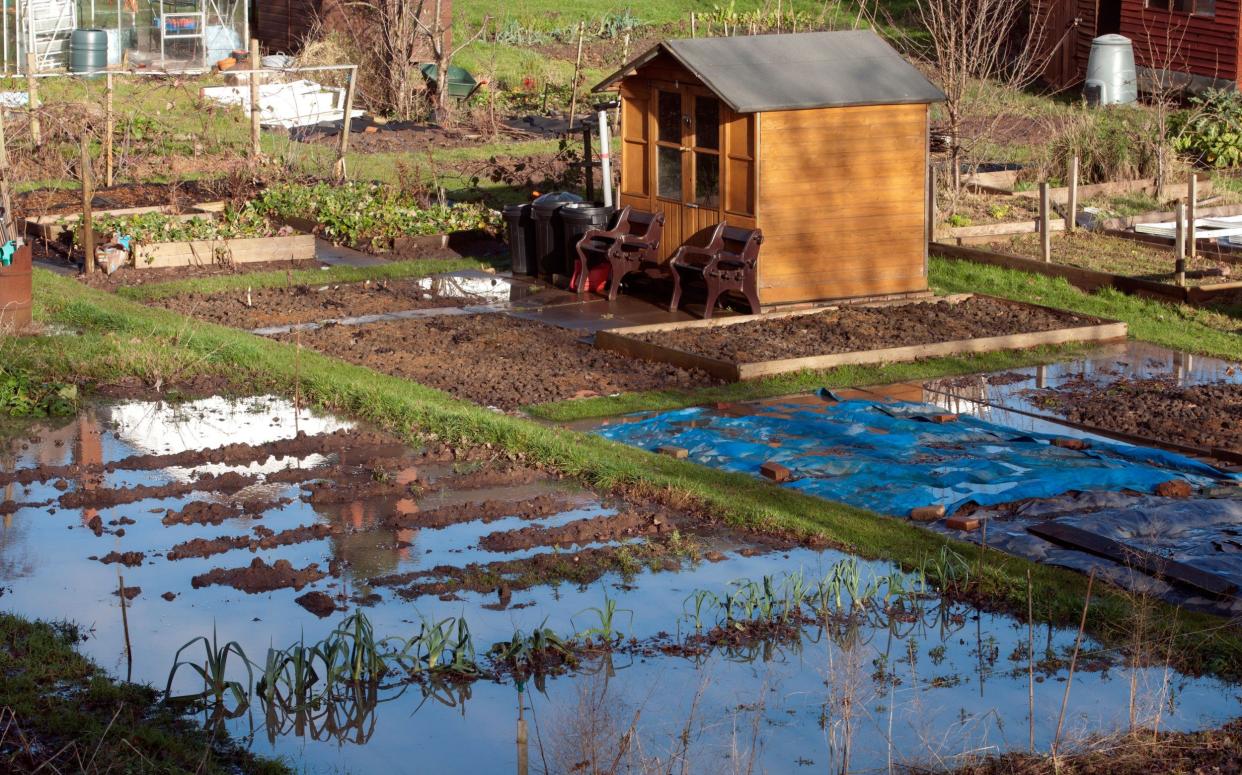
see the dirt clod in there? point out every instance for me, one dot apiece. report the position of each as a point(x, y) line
point(318, 603)
point(261, 577)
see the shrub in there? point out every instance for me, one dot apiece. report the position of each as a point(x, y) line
point(1210, 133)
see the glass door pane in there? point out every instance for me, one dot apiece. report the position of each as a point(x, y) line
point(668, 173)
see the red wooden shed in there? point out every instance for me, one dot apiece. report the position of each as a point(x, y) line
point(1198, 40)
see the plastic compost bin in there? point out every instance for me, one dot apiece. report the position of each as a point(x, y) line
point(550, 258)
point(579, 218)
point(521, 231)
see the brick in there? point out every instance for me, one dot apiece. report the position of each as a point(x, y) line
point(776, 472)
point(1174, 488)
point(1075, 444)
point(943, 418)
point(677, 453)
point(927, 513)
point(963, 523)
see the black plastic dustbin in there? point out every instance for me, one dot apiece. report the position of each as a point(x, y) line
point(521, 229)
point(578, 219)
point(550, 232)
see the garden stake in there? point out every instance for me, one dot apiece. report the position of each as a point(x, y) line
point(573, 100)
point(32, 87)
point(1071, 217)
point(1069, 682)
point(88, 218)
point(297, 382)
point(254, 99)
point(1030, 654)
point(1180, 234)
point(129, 652)
point(109, 121)
point(1192, 194)
point(346, 121)
point(1045, 233)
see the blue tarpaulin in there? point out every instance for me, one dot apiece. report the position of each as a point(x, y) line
point(887, 457)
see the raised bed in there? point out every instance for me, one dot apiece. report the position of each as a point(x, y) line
point(636, 341)
point(61, 228)
point(248, 250)
point(1092, 279)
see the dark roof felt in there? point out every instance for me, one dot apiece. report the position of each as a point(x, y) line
point(796, 71)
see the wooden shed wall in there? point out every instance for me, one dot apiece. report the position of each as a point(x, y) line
point(842, 202)
point(1210, 47)
point(281, 25)
point(1184, 43)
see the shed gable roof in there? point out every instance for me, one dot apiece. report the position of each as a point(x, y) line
point(796, 71)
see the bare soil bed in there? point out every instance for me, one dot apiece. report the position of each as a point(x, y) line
point(262, 307)
point(68, 201)
point(855, 329)
point(1115, 255)
point(496, 360)
point(1206, 416)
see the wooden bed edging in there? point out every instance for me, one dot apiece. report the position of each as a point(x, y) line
point(294, 247)
point(1091, 279)
point(52, 227)
point(410, 242)
point(621, 340)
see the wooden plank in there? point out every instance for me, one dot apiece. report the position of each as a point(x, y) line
point(1096, 333)
point(1164, 568)
point(1004, 229)
point(622, 340)
point(1168, 215)
point(1087, 279)
point(299, 247)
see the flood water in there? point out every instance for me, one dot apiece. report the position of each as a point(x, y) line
point(923, 689)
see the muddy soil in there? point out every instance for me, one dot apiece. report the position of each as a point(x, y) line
point(496, 360)
point(479, 511)
point(853, 329)
point(105, 497)
point(130, 276)
point(580, 532)
point(68, 201)
point(1205, 416)
point(261, 577)
point(263, 538)
point(263, 307)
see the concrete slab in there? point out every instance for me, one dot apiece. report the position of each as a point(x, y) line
point(339, 255)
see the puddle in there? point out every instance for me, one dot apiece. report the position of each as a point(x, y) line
point(923, 685)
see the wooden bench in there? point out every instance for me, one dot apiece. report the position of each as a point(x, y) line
point(630, 244)
point(729, 262)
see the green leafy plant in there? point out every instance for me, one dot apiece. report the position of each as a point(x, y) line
point(214, 672)
point(368, 211)
point(1211, 131)
point(605, 615)
point(22, 394)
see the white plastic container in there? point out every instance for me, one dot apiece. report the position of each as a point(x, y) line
point(1112, 78)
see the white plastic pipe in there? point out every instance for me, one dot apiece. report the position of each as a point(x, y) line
point(605, 158)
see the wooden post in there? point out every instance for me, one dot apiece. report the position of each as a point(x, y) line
point(255, 114)
point(347, 119)
point(573, 100)
point(931, 203)
point(1180, 240)
point(32, 86)
point(109, 121)
point(1071, 217)
point(694, 30)
point(588, 166)
point(1192, 207)
point(88, 218)
point(1045, 230)
point(5, 201)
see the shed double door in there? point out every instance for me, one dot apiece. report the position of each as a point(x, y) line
point(687, 161)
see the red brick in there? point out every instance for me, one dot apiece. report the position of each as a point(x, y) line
point(776, 472)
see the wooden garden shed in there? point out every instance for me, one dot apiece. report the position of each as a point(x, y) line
point(819, 139)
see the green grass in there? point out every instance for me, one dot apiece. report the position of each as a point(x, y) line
point(800, 382)
point(332, 275)
point(60, 699)
point(155, 340)
point(1182, 327)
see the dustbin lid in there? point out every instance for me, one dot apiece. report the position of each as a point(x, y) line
point(557, 197)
